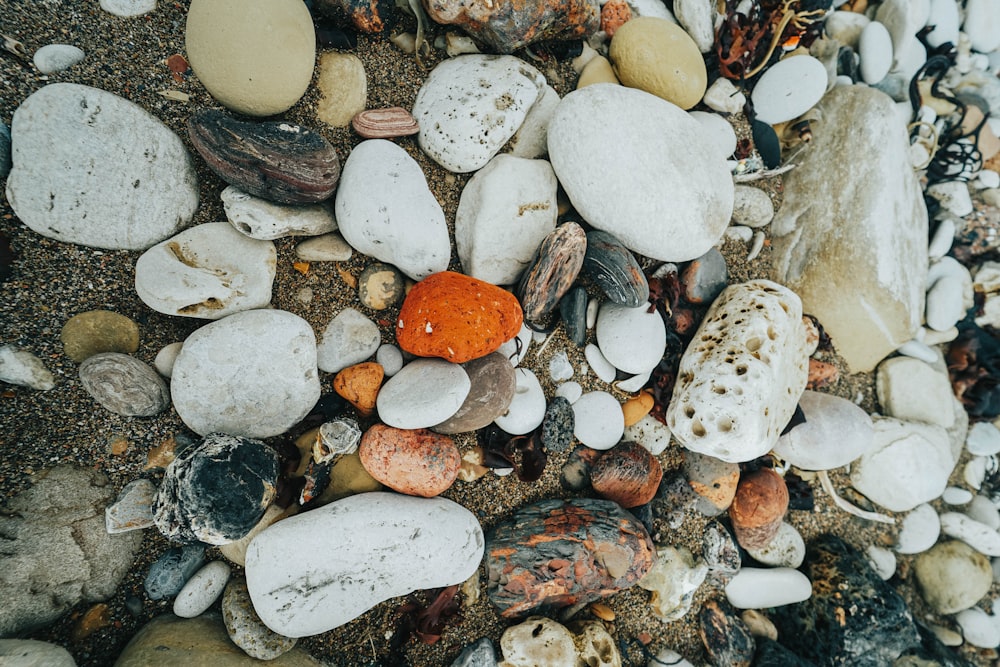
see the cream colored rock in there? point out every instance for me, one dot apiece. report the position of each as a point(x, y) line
point(743, 373)
point(256, 57)
point(538, 641)
point(264, 220)
point(657, 56)
point(598, 70)
point(673, 581)
point(343, 87)
point(595, 647)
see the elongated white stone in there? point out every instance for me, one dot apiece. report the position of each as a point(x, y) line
point(757, 588)
point(977, 535)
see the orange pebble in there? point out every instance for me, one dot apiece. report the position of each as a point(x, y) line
point(821, 374)
point(614, 14)
point(359, 385)
point(637, 407)
point(758, 508)
point(417, 462)
point(301, 267)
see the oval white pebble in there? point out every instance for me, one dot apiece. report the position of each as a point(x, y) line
point(603, 368)
point(527, 410)
point(977, 535)
point(882, 561)
point(789, 89)
point(424, 393)
point(718, 131)
point(632, 339)
point(955, 495)
point(390, 358)
point(202, 589)
point(978, 628)
point(983, 439)
point(53, 58)
point(983, 510)
point(571, 391)
point(757, 588)
point(875, 49)
point(598, 420)
point(165, 358)
point(786, 548)
point(919, 530)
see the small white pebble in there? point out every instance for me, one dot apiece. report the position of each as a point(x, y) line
point(602, 367)
point(739, 233)
point(756, 246)
point(559, 367)
point(592, 307)
point(882, 561)
point(955, 495)
point(975, 472)
point(944, 236)
point(987, 178)
point(983, 439)
point(571, 391)
point(165, 358)
point(634, 383)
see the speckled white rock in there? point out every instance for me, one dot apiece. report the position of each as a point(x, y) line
point(919, 530)
point(632, 339)
point(723, 96)
point(875, 49)
point(743, 373)
point(910, 389)
point(718, 131)
point(538, 641)
point(527, 410)
point(424, 393)
point(128, 8)
point(385, 210)
point(506, 210)
point(268, 360)
point(469, 106)
point(324, 248)
point(202, 589)
point(598, 421)
point(757, 588)
point(94, 169)
point(697, 17)
point(22, 368)
point(752, 207)
point(651, 433)
point(882, 561)
point(208, 271)
point(786, 548)
point(320, 569)
point(982, 24)
point(979, 629)
point(909, 464)
point(788, 89)
point(977, 535)
point(348, 339)
point(261, 219)
point(829, 419)
point(53, 58)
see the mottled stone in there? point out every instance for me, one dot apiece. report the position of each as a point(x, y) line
point(758, 508)
point(614, 268)
point(673, 581)
point(86, 334)
point(132, 509)
point(380, 286)
point(551, 272)
point(726, 638)
point(384, 123)
point(952, 576)
point(557, 426)
point(124, 385)
point(416, 462)
point(245, 627)
point(22, 368)
point(491, 391)
point(371, 16)
point(627, 474)
point(167, 576)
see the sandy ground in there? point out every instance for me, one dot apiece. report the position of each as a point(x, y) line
point(53, 281)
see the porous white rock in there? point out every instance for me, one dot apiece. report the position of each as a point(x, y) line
point(424, 393)
point(742, 375)
point(910, 389)
point(348, 339)
point(384, 209)
point(723, 96)
point(651, 433)
point(697, 17)
point(202, 589)
point(526, 412)
point(829, 419)
point(982, 24)
point(268, 361)
point(471, 105)
point(875, 49)
point(598, 421)
point(261, 219)
point(386, 545)
point(786, 548)
point(977, 535)
point(919, 530)
point(631, 339)
point(538, 641)
point(909, 464)
point(53, 58)
point(94, 169)
point(506, 210)
point(788, 89)
point(22, 368)
point(757, 588)
point(208, 271)
point(627, 141)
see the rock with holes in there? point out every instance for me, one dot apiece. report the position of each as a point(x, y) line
point(557, 553)
point(743, 373)
point(208, 271)
point(264, 220)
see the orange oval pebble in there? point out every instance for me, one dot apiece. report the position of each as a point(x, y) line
point(637, 407)
point(359, 385)
point(417, 462)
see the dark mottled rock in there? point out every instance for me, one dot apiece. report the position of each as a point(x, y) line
point(491, 391)
point(216, 491)
point(726, 638)
point(507, 26)
point(557, 553)
point(381, 286)
point(371, 16)
point(575, 474)
point(557, 426)
point(5, 163)
point(573, 310)
point(552, 270)
point(171, 571)
point(770, 653)
point(930, 653)
point(719, 550)
point(276, 161)
point(124, 385)
point(705, 278)
point(673, 500)
point(873, 624)
point(477, 654)
point(627, 474)
point(615, 270)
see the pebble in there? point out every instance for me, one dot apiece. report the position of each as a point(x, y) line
point(505, 212)
point(384, 123)
point(757, 510)
point(613, 268)
point(128, 8)
point(509, 28)
point(785, 549)
point(698, 19)
point(719, 550)
point(492, 385)
point(269, 360)
point(558, 424)
point(979, 629)
point(954, 197)
point(727, 639)
point(982, 26)
point(644, 145)
point(714, 481)
point(324, 248)
point(560, 367)
point(165, 358)
point(705, 278)
point(917, 350)
point(882, 561)
point(673, 580)
point(531, 139)
point(828, 418)
point(527, 409)
point(264, 220)
point(132, 509)
point(788, 89)
point(919, 530)
point(982, 509)
point(954, 495)
point(387, 545)
point(208, 271)
point(34, 653)
point(723, 96)
point(983, 439)
point(469, 106)
point(348, 339)
point(538, 641)
point(627, 474)
point(380, 286)
point(979, 536)
point(245, 628)
point(236, 552)
point(477, 654)
point(202, 590)
point(516, 348)
point(124, 385)
point(718, 131)
point(406, 229)
point(22, 368)
point(97, 143)
point(598, 421)
point(167, 576)
point(416, 462)
point(752, 207)
point(910, 389)
point(946, 302)
point(390, 358)
point(659, 57)
point(597, 70)
point(631, 339)
point(571, 391)
point(573, 311)
point(359, 385)
point(875, 49)
point(424, 393)
point(952, 576)
point(756, 588)
point(254, 57)
point(846, 27)
point(637, 407)
point(343, 88)
point(650, 433)
point(53, 58)
point(668, 657)
point(599, 363)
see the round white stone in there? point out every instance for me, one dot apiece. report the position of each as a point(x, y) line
point(128, 8)
point(650, 433)
point(875, 49)
point(348, 339)
point(527, 410)
point(955, 495)
point(602, 368)
point(632, 339)
point(390, 358)
point(882, 561)
point(786, 548)
point(977, 535)
point(571, 391)
point(165, 358)
point(559, 367)
point(983, 510)
point(752, 207)
point(424, 393)
point(718, 132)
point(756, 588)
point(53, 58)
point(983, 439)
point(202, 589)
point(918, 531)
point(978, 628)
point(598, 420)
point(789, 89)
point(845, 27)
point(829, 419)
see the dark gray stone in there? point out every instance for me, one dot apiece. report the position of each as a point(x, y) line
point(557, 426)
point(573, 309)
point(726, 638)
point(492, 384)
point(705, 277)
point(171, 571)
point(478, 654)
point(615, 270)
point(772, 654)
point(5, 162)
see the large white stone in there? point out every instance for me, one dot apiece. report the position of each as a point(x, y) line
point(982, 24)
point(631, 339)
point(385, 210)
point(697, 17)
point(507, 208)
point(875, 49)
point(919, 530)
point(261, 219)
point(598, 421)
point(471, 105)
point(208, 271)
point(757, 588)
point(788, 89)
point(638, 167)
point(94, 169)
point(316, 571)
point(742, 374)
point(252, 374)
point(944, 16)
point(424, 393)
point(836, 432)
point(348, 339)
point(22, 368)
point(913, 390)
point(902, 19)
point(979, 536)
point(909, 464)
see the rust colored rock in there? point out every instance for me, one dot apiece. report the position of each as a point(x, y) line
point(370, 16)
point(276, 161)
point(713, 480)
point(507, 26)
point(627, 474)
point(557, 553)
point(758, 508)
point(416, 462)
point(552, 270)
point(821, 374)
point(385, 123)
point(456, 317)
point(614, 14)
point(359, 385)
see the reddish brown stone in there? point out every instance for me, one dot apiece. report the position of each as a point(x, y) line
point(614, 14)
point(359, 385)
point(456, 317)
point(371, 16)
point(821, 374)
point(555, 266)
point(759, 506)
point(416, 462)
point(627, 474)
point(384, 123)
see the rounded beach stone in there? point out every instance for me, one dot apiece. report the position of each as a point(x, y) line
point(167, 576)
point(124, 385)
point(348, 339)
point(456, 317)
point(952, 576)
point(216, 491)
point(245, 627)
point(527, 409)
point(95, 331)
point(714, 481)
point(828, 419)
point(875, 49)
point(757, 588)
point(492, 384)
point(165, 358)
point(424, 393)
point(627, 474)
point(34, 653)
point(380, 286)
point(360, 384)
point(22, 368)
point(598, 421)
point(557, 425)
point(760, 504)
point(53, 58)
point(752, 207)
point(128, 8)
point(416, 462)
point(264, 220)
point(256, 57)
point(919, 530)
point(659, 57)
point(632, 339)
point(538, 641)
point(785, 549)
point(788, 89)
point(269, 360)
point(343, 88)
point(325, 248)
point(202, 590)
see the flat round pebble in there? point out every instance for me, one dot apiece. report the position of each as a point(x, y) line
point(167, 576)
point(598, 421)
point(390, 358)
point(124, 385)
point(86, 334)
point(348, 339)
point(202, 589)
point(979, 629)
point(919, 530)
point(245, 627)
point(424, 393)
point(788, 89)
point(632, 339)
point(752, 207)
point(786, 548)
point(527, 410)
point(756, 588)
point(954, 495)
point(983, 439)
point(571, 391)
point(326, 248)
point(882, 561)
point(53, 58)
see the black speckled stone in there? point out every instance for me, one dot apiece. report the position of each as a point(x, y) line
point(772, 654)
point(171, 571)
point(557, 426)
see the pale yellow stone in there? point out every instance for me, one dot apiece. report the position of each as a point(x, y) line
point(598, 70)
point(348, 478)
point(657, 56)
point(343, 87)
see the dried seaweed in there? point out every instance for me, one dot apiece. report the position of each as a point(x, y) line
point(974, 367)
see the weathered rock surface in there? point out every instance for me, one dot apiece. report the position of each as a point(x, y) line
point(416, 462)
point(245, 627)
point(33, 653)
point(492, 382)
point(264, 220)
point(124, 385)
